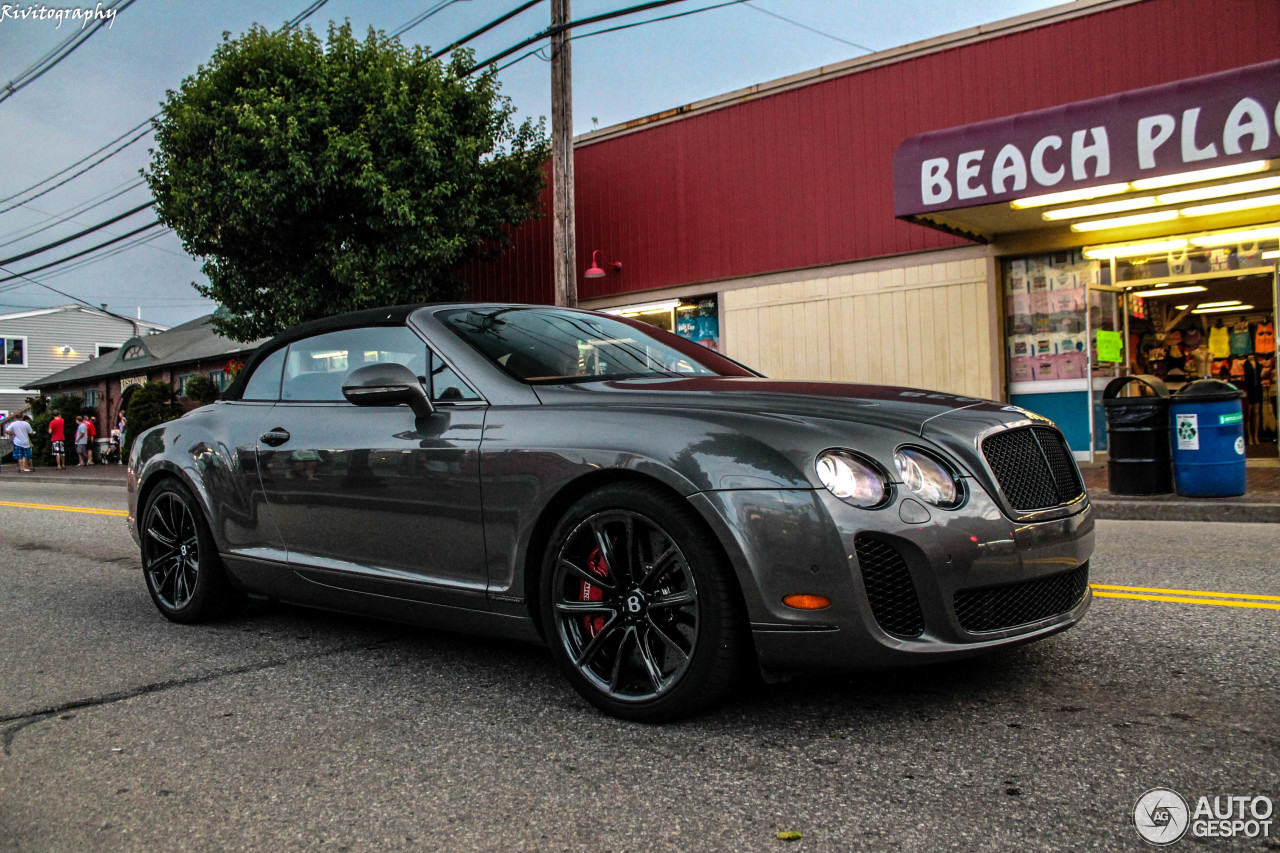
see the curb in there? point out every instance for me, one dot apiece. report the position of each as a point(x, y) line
point(1112, 510)
point(110, 482)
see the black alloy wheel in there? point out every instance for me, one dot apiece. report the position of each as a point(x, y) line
point(179, 561)
point(639, 605)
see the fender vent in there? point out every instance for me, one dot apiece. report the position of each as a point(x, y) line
point(889, 588)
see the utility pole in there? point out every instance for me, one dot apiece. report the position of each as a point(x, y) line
point(564, 251)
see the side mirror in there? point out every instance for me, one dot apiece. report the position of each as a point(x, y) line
point(387, 384)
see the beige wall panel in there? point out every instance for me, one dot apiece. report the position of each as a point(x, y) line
point(927, 326)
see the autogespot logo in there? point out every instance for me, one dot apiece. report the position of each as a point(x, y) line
point(1161, 816)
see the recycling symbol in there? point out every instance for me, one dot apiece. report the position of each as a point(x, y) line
point(1187, 430)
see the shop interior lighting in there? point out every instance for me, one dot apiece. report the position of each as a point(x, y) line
point(1133, 250)
point(646, 308)
point(1232, 238)
point(1214, 174)
point(1230, 206)
point(1068, 196)
point(1272, 255)
point(1257, 185)
point(1118, 206)
point(1124, 221)
point(1170, 291)
point(1229, 309)
point(1208, 305)
point(687, 308)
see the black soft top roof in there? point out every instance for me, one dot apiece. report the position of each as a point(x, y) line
point(392, 316)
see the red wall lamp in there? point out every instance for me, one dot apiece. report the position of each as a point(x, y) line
point(596, 270)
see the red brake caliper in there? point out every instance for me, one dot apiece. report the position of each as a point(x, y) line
point(590, 592)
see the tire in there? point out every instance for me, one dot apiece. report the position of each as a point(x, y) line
point(650, 631)
point(180, 562)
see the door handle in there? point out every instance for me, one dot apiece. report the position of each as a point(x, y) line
point(275, 437)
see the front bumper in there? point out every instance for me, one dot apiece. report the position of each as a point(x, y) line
point(791, 542)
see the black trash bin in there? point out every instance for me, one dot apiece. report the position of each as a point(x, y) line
point(1139, 461)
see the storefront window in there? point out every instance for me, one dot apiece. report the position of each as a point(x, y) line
point(694, 318)
point(1046, 297)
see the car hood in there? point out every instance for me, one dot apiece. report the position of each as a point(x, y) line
point(908, 409)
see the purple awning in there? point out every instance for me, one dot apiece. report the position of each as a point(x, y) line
point(1215, 120)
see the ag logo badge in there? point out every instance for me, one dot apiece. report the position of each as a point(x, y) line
point(1161, 816)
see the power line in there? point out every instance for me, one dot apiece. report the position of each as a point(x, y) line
point(53, 220)
point(23, 276)
point(408, 25)
point(550, 31)
point(42, 249)
point(121, 238)
point(293, 22)
point(63, 171)
point(495, 22)
point(304, 14)
point(539, 50)
point(144, 240)
point(812, 30)
point(50, 60)
point(75, 175)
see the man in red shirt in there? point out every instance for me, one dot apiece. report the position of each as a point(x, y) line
point(59, 439)
point(93, 435)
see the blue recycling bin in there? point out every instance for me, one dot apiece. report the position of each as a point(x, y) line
point(1208, 440)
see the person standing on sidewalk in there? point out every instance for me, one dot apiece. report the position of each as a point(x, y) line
point(20, 430)
point(82, 441)
point(93, 436)
point(57, 435)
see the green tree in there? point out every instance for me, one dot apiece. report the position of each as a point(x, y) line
point(318, 178)
point(151, 404)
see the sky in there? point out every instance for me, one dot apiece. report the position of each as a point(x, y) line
point(119, 77)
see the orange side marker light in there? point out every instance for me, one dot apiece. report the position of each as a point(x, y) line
point(807, 602)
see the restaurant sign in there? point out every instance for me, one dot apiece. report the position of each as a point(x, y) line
point(129, 381)
point(1216, 120)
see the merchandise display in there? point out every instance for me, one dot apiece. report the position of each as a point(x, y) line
point(1046, 300)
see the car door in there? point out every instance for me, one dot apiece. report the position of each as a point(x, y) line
point(253, 541)
point(372, 498)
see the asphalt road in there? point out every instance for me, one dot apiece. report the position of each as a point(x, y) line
point(293, 730)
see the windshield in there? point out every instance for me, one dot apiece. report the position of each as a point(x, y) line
point(547, 345)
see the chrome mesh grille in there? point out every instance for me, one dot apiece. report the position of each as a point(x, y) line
point(999, 607)
point(1034, 468)
point(889, 588)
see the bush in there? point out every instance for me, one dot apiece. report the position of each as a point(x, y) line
point(151, 404)
point(200, 389)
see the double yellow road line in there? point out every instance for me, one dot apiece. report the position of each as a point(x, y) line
point(1187, 596)
point(86, 509)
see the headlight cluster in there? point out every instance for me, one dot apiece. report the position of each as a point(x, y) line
point(860, 482)
point(851, 479)
point(927, 477)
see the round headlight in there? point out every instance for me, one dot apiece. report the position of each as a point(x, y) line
point(927, 478)
point(851, 479)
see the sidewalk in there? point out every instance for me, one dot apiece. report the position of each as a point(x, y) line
point(1260, 503)
point(89, 475)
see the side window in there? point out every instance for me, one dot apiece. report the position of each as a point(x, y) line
point(264, 384)
point(316, 367)
point(446, 385)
